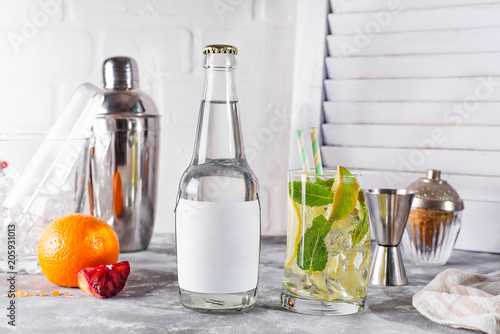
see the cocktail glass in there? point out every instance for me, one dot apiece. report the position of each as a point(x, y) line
point(328, 244)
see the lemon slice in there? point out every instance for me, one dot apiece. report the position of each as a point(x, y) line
point(349, 277)
point(319, 281)
point(345, 196)
point(295, 268)
point(293, 232)
point(331, 265)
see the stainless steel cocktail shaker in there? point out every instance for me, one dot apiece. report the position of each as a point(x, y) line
point(124, 161)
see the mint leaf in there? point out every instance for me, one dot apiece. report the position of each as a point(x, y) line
point(362, 227)
point(312, 254)
point(325, 183)
point(315, 195)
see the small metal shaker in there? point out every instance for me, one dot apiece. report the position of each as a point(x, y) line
point(124, 161)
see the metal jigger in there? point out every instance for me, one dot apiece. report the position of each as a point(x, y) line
point(388, 210)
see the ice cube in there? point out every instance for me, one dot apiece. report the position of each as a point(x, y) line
point(30, 243)
point(8, 177)
point(337, 241)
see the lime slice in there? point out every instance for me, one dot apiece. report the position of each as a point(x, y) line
point(293, 232)
point(345, 196)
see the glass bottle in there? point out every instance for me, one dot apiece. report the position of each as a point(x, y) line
point(218, 212)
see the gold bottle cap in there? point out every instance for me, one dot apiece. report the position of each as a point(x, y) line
point(220, 48)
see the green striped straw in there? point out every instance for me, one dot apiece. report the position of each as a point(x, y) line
point(302, 152)
point(316, 152)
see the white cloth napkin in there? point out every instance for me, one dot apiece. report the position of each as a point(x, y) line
point(462, 300)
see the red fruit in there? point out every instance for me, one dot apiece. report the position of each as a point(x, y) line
point(104, 281)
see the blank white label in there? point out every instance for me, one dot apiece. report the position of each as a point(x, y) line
point(218, 246)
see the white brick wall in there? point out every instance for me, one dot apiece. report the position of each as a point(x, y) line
point(49, 47)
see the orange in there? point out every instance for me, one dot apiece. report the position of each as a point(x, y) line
point(74, 242)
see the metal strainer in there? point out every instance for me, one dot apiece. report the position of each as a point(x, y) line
point(434, 193)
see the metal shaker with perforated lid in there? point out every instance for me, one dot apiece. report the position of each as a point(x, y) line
point(434, 222)
point(124, 162)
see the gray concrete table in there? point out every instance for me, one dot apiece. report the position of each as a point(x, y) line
point(149, 302)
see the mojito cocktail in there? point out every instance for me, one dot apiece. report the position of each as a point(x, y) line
point(328, 244)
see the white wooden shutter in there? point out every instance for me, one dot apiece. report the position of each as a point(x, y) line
point(411, 85)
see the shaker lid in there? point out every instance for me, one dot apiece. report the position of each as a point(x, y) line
point(122, 98)
point(434, 193)
point(220, 48)
point(120, 73)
